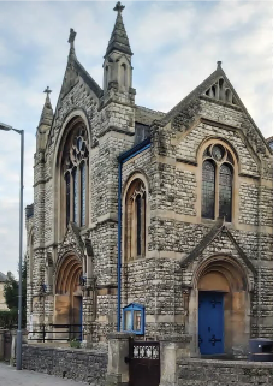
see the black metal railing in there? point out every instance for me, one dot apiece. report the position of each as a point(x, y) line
point(73, 331)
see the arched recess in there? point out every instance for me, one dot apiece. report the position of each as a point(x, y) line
point(76, 162)
point(227, 278)
point(68, 290)
point(135, 217)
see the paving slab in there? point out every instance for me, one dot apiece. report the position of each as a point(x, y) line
point(9, 376)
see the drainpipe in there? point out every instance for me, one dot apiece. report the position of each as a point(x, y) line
point(121, 160)
point(120, 172)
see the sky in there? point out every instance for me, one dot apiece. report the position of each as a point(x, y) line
point(176, 45)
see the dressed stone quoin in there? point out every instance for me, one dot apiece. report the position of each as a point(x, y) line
point(149, 222)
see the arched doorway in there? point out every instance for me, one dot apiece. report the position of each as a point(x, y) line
point(222, 312)
point(68, 295)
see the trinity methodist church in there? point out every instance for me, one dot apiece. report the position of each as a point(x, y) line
point(149, 222)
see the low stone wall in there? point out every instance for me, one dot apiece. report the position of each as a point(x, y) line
point(81, 365)
point(205, 372)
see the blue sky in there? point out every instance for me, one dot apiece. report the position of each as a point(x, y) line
point(176, 46)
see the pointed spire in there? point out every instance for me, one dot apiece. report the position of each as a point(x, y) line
point(47, 112)
point(119, 40)
point(71, 41)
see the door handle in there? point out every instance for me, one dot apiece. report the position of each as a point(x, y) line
point(208, 329)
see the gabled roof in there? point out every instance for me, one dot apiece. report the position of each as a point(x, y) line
point(73, 70)
point(192, 99)
point(208, 239)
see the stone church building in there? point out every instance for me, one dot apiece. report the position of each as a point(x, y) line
point(149, 222)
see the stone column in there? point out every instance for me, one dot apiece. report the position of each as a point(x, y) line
point(172, 348)
point(2, 345)
point(13, 347)
point(118, 349)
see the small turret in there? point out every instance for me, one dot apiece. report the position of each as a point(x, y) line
point(117, 65)
point(45, 122)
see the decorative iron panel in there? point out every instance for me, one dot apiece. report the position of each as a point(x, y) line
point(144, 363)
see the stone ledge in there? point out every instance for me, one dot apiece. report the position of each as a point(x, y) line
point(224, 363)
point(119, 335)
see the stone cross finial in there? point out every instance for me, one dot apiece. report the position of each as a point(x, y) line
point(47, 91)
point(219, 65)
point(119, 7)
point(72, 37)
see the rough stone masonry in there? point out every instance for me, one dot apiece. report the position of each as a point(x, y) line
point(192, 212)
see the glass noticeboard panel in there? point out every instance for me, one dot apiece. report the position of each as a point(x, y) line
point(127, 325)
point(137, 320)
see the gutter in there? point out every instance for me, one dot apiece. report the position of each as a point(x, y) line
point(122, 158)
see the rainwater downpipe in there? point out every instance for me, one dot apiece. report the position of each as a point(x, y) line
point(121, 160)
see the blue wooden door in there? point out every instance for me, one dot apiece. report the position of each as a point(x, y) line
point(211, 322)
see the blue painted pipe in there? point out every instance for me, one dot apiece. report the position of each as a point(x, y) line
point(121, 159)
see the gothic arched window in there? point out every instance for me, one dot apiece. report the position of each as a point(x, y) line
point(217, 177)
point(208, 196)
point(75, 174)
point(135, 220)
point(225, 191)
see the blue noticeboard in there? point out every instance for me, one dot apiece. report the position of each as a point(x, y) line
point(211, 322)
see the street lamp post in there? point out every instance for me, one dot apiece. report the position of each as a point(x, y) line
point(20, 313)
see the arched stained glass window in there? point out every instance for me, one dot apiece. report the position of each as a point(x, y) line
point(225, 192)
point(208, 190)
point(75, 195)
point(74, 165)
point(83, 194)
point(135, 218)
point(139, 224)
point(67, 182)
point(217, 176)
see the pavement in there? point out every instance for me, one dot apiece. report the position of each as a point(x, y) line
point(9, 376)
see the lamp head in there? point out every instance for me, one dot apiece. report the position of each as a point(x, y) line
point(5, 127)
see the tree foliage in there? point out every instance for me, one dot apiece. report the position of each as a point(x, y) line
point(11, 296)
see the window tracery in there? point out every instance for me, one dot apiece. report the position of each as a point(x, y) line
point(135, 220)
point(75, 170)
point(217, 179)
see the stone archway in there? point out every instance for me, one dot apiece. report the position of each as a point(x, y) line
point(224, 278)
point(68, 292)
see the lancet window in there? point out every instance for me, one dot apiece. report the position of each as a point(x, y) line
point(135, 220)
point(75, 174)
point(217, 180)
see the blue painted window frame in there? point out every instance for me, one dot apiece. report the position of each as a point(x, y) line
point(132, 308)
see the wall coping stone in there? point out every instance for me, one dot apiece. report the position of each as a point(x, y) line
point(120, 335)
point(176, 338)
point(225, 363)
point(100, 351)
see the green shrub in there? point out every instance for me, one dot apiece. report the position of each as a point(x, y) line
point(8, 319)
point(74, 343)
